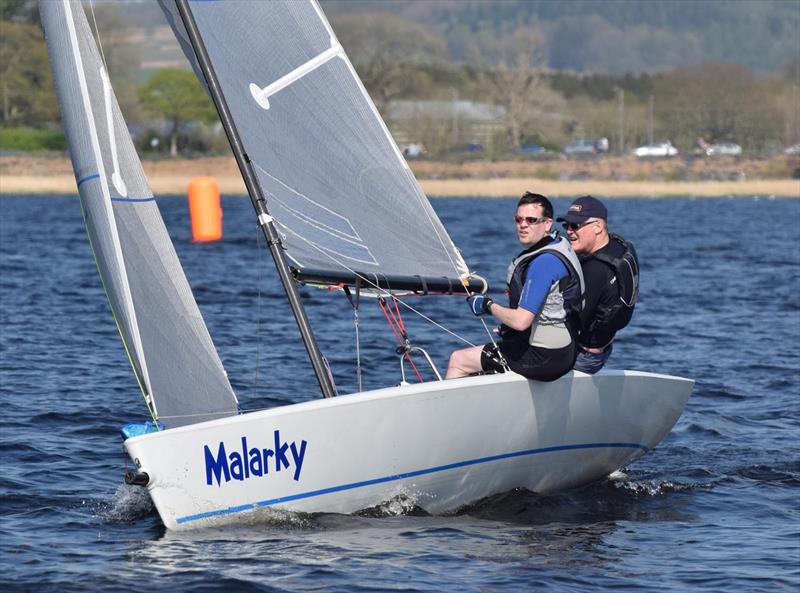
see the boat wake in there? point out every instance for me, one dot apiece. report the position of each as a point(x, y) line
point(130, 503)
point(617, 497)
point(267, 517)
point(404, 504)
point(648, 488)
point(400, 505)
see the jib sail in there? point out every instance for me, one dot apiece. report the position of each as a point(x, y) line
point(164, 334)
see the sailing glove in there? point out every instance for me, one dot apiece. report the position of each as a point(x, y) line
point(479, 304)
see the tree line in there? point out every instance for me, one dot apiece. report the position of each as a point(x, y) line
point(615, 36)
point(400, 59)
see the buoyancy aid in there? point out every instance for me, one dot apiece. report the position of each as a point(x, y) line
point(624, 263)
point(551, 327)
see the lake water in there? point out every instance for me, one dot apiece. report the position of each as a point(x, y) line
point(714, 508)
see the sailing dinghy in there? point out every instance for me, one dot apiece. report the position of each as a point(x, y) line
point(339, 207)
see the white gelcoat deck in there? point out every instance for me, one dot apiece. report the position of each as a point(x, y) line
point(491, 429)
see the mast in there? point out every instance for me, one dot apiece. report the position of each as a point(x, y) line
point(259, 203)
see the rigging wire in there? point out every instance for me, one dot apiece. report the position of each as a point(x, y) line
point(97, 35)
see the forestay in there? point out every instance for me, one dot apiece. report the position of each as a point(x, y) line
point(335, 182)
point(167, 342)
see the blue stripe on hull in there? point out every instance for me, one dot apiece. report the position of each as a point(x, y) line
point(393, 478)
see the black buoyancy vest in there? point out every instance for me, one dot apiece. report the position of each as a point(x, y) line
point(624, 262)
point(571, 286)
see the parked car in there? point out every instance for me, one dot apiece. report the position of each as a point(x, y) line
point(580, 146)
point(414, 150)
point(662, 149)
point(530, 149)
point(724, 149)
point(470, 147)
point(793, 150)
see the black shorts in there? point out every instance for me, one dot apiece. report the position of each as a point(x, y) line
point(542, 364)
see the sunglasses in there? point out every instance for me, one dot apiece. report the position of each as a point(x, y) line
point(574, 226)
point(530, 219)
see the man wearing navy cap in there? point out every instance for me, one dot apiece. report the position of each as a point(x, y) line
point(611, 272)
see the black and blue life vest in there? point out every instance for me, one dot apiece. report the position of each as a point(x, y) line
point(564, 300)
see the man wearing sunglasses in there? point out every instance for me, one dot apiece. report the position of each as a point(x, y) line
point(545, 287)
point(611, 271)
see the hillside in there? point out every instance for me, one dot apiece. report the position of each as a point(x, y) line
point(610, 37)
point(613, 36)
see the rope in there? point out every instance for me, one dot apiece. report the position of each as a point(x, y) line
point(489, 333)
point(397, 332)
point(397, 318)
point(395, 321)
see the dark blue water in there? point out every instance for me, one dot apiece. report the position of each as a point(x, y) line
point(714, 508)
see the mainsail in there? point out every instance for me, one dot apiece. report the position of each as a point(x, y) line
point(168, 344)
point(338, 188)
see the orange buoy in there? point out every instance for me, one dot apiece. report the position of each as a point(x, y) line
point(205, 209)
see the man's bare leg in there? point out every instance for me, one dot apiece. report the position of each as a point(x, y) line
point(464, 362)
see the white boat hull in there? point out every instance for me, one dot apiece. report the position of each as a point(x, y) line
point(442, 444)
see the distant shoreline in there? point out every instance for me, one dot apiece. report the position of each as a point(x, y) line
point(477, 188)
point(23, 175)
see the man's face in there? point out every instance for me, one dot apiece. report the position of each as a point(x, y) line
point(583, 235)
point(530, 232)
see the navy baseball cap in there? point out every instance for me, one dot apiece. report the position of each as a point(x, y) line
point(583, 209)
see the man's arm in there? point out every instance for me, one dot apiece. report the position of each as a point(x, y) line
point(596, 284)
point(519, 319)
